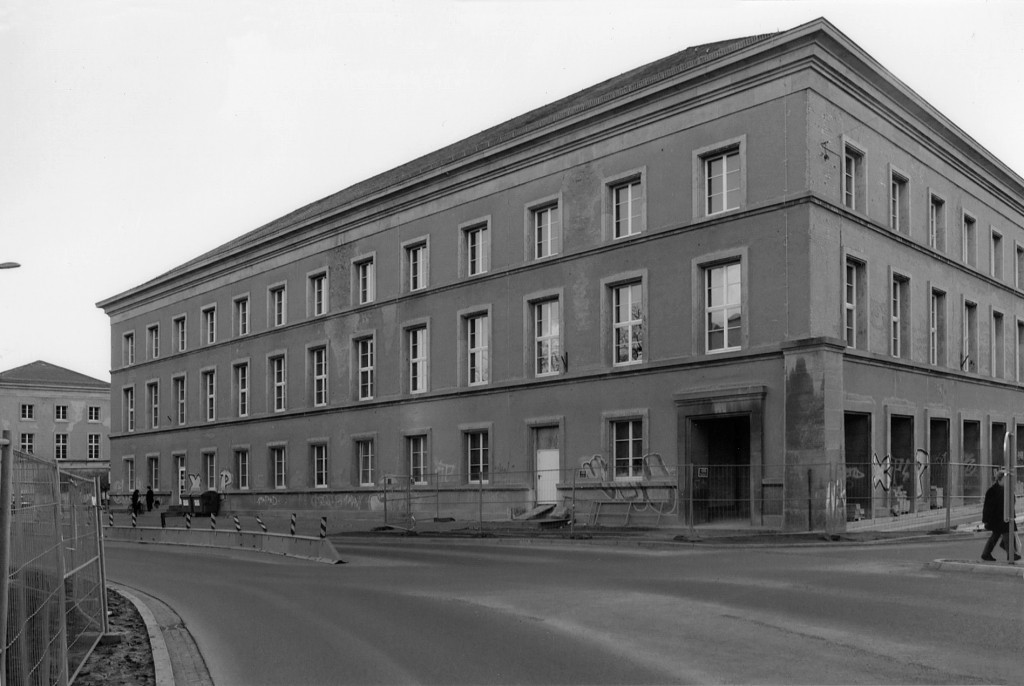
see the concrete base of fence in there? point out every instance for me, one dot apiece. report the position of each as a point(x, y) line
point(306, 547)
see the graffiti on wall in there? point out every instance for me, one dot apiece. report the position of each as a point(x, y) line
point(643, 496)
point(226, 479)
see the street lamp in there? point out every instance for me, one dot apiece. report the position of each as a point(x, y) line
point(9, 265)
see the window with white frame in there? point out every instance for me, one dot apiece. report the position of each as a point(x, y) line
point(723, 307)
point(853, 178)
point(318, 369)
point(628, 448)
point(180, 399)
point(936, 223)
point(854, 306)
point(899, 316)
point(242, 316)
point(153, 472)
point(899, 202)
point(209, 460)
point(998, 346)
point(367, 367)
point(722, 179)
point(278, 467)
point(209, 378)
point(60, 446)
point(278, 306)
point(318, 452)
point(28, 412)
point(478, 464)
point(547, 230)
point(478, 249)
point(478, 349)
point(418, 359)
point(937, 328)
point(364, 451)
point(153, 400)
point(93, 446)
point(128, 349)
point(242, 389)
point(417, 449)
point(996, 255)
point(318, 294)
point(210, 324)
point(547, 341)
point(366, 281)
point(242, 469)
point(153, 333)
point(628, 323)
point(278, 383)
point(969, 343)
point(181, 333)
point(128, 395)
point(60, 413)
point(94, 413)
point(627, 205)
point(28, 443)
point(970, 240)
point(129, 473)
point(416, 266)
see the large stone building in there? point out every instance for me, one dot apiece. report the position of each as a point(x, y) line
point(746, 274)
point(59, 413)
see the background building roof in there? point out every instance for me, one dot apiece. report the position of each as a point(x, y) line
point(46, 374)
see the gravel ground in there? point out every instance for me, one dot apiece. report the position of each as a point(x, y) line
point(127, 663)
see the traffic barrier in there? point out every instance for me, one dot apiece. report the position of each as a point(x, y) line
point(259, 521)
point(238, 525)
point(188, 520)
point(306, 547)
point(323, 527)
point(293, 524)
point(110, 518)
point(134, 518)
point(213, 522)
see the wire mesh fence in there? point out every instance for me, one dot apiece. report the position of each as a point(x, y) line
point(53, 590)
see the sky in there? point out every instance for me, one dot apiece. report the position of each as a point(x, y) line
point(138, 134)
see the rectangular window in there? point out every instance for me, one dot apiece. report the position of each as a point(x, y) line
point(179, 398)
point(853, 178)
point(722, 181)
point(416, 266)
point(1018, 273)
point(996, 256)
point(547, 231)
point(210, 470)
point(129, 473)
point(723, 307)
point(970, 241)
point(478, 457)
point(899, 203)
point(210, 394)
point(278, 467)
point(128, 349)
point(854, 306)
point(94, 413)
point(28, 443)
point(153, 333)
point(364, 449)
point(899, 316)
point(628, 323)
point(417, 446)
point(93, 446)
point(1020, 351)
point(210, 325)
point(478, 349)
point(366, 282)
point(478, 250)
point(628, 448)
point(153, 399)
point(242, 316)
point(627, 208)
point(129, 409)
point(937, 328)
point(278, 382)
point(318, 295)
point(60, 413)
point(278, 309)
point(242, 389)
point(153, 464)
point(242, 469)
point(418, 360)
point(180, 333)
point(318, 368)
point(998, 346)
point(547, 338)
point(318, 454)
point(365, 353)
point(936, 223)
point(28, 412)
point(60, 446)
point(969, 346)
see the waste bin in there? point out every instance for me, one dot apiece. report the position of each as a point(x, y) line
point(209, 502)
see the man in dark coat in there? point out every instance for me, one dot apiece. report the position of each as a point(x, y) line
point(993, 519)
point(149, 498)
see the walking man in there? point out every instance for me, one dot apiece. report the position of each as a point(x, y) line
point(992, 518)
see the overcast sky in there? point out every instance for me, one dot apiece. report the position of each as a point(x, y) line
point(138, 134)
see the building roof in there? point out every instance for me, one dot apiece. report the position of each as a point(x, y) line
point(46, 374)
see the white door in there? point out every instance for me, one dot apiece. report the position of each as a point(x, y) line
point(547, 476)
point(182, 481)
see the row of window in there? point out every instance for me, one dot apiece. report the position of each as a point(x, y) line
point(60, 445)
point(722, 321)
point(60, 412)
point(626, 436)
point(900, 317)
point(853, 193)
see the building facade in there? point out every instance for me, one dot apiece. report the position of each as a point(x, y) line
point(59, 413)
point(734, 276)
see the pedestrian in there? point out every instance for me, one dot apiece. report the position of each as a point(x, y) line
point(992, 518)
point(136, 505)
point(149, 498)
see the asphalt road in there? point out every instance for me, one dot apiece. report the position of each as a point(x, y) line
point(458, 612)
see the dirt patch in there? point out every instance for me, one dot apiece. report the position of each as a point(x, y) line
point(126, 663)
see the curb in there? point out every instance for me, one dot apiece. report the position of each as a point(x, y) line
point(965, 567)
point(161, 656)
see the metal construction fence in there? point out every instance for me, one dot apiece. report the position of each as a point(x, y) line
point(53, 593)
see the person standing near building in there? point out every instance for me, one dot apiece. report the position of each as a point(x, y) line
point(149, 498)
point(992, 518)
point(136, 505)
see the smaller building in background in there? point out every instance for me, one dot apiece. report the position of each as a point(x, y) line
point(59, 413)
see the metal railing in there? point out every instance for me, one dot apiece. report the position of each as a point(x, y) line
point(53, 593)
